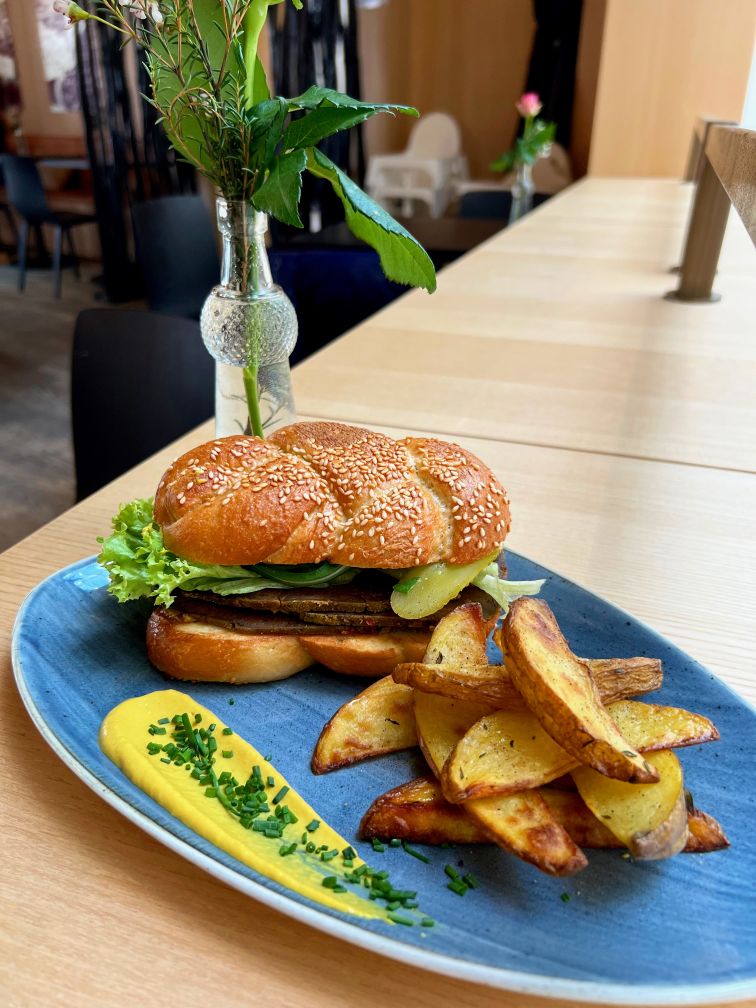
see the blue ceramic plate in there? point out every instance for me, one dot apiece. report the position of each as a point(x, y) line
point(671, 932)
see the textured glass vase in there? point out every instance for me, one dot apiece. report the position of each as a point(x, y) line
point(250, 327)
point(522, 193)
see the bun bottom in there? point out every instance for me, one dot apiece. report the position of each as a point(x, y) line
point(202, 652)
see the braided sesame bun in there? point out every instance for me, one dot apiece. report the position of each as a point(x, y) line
point(310, 493)
point(316, 492)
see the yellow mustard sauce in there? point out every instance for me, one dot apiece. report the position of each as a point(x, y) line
point(124, 738)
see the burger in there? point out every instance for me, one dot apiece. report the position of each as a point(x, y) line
point(324, 543)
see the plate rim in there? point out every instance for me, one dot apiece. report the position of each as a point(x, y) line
point(500, 978)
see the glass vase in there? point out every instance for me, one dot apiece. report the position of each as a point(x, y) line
point(250, 327)
point(522, 192)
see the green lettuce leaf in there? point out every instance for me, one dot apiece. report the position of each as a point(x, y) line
point(140, 566)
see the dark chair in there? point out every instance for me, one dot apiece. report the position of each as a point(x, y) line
point(177, 252)
point(332, 290)
point(491, 204)
point(486, 203)
point(138, 381)
point(26, 195)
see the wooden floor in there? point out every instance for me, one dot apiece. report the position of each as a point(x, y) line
point(36, 455)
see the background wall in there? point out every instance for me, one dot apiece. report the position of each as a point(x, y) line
point(469, 59)
point(662, 65)
point(45, 131)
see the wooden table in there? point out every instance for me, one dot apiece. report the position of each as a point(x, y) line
point(552, 385)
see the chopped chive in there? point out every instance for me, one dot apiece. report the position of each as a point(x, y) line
point(312, 826)
point(281, 794)
point(427, 922)
point(451, 872)
point(158, 731)
point(398, 919)
point(470, 881)
point(212, 727)
point(377, 845)
point(231, 702)
point(329, 882)
point(197, 718)
point(414, 853)
point(164, 720)
point(226, 731)
point(166, 759)
point(329, 855)
point(287, 849)
point(457, 887)
point(211, 792)
point(349, 853)
point(565, 897)
point(395, 842)
point(227, 753)
point(270, 782)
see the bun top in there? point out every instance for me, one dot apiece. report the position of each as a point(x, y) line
point(316, 492)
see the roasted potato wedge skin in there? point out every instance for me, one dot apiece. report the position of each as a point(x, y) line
point(651, 820)
point(509, 751)
point(378, 720)
point(520, 823)
point(418, 811)
point(616, 679)
point(705, 834)
point(459, 638)
point(558, 688)
point(622, 678)
point(488, 684)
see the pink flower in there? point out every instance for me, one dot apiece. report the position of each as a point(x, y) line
point(529, 104)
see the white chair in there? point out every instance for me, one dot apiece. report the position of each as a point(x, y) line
point(427, 170)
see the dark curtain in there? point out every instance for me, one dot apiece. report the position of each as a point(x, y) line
point(319, 46)
point(130, 156)
point(553, 59)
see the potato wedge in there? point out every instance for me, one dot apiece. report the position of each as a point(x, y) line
point(520, 823)
point(558, 688)
point(510, 751)
point(459, 638)
point(615, 678)
point(705, 834)
point(651, 820)
point(378, 720)
point(419, 813)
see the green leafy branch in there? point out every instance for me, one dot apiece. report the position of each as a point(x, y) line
point(210, 92)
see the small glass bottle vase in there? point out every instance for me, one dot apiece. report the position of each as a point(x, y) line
point(250, 327)
point(522, 193)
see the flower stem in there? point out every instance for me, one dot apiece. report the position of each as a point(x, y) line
point(253, 401)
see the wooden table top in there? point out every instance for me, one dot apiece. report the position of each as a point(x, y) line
point(555, 333)
point(98, 913)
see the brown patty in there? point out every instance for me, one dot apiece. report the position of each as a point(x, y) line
point(312, 611)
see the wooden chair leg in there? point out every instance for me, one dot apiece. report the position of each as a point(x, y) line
point(23, 250)
point(57, 250)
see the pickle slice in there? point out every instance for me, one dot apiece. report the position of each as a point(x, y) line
point(432, 586)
